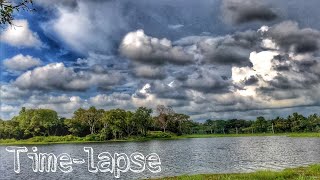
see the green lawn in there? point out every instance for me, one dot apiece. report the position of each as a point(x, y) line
point(69, 139)
point(301, 173)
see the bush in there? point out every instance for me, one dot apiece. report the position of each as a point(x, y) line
point(7, 140)
point(93, 137)
point(37, 139)
point(159, 134)
point(70, 138)
point(54, 138)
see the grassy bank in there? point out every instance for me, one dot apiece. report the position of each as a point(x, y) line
point(304, 135)
point(69, 139)
point(311, 134)
point(301, 173)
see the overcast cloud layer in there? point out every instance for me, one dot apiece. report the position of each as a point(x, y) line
point(208, 59)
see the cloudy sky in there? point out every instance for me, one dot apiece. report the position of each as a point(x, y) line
point(205, 58)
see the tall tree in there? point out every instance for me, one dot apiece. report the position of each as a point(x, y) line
point(91, 117)
point(37, 122)
point(164, 114)
point(143, 119)
point(261, 124)
point(179, 119)
point(115, 119)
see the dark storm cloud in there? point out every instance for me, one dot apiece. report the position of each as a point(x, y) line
point(282, 63)
point(251, 81)
point(289, 36)
point(283, 82)
point(282, 67)
point(306, 65)
point(292, 78)
point(182, 76)
point(231, 49)
point(162, 90)
point(229, 55)
point(278, 95)
point(206, 80)
point(244, 11)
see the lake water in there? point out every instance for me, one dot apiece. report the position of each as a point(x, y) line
point(185, 156)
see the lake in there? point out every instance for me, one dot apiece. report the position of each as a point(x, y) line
point(184, 156)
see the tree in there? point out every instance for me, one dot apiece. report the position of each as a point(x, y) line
point(35, 122)
point(298, 122)
point(261, 124)
point(91, 117)
point(7, 8)
point(179, 119)
point(143, 119)
point(76, 127)
point(10, 129)
point(221, 126)
point(164, 116)
point(314, 123)
point(210, 124)
point(280, 124)
point(131, 125)
point(115, 120)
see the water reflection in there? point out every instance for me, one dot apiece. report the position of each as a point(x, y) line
point(185, 156)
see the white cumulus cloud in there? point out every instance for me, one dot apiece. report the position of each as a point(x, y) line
point(21, 62)
point(20, 35)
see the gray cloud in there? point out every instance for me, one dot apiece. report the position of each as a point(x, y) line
point(289, 36)
point(114, 100)
point(168, 91)
point(226, 50)
point(244, 11)
point(296, 79)
point(56, 76)
point(20, 62)
point(145, 49)
point(206, 80)
point(251, 80)
point(149, 71)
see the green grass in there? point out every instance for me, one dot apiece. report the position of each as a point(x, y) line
point(311, 134)
point(301, 173)
point(304, 135)
point(69, 139)
point(227, 135)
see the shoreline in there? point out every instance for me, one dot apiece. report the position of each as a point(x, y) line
point(304, 172)
point(48, 141)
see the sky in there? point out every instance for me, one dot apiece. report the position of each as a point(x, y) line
point(210, 59)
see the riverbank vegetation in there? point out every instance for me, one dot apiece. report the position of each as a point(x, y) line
point(152, 135)
point(301, 173)
point(44, 125)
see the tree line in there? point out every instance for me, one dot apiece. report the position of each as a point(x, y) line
point(293, 123)
point(118, 124)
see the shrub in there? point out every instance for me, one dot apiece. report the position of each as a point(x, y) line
point(159, 134)
point(93, 137)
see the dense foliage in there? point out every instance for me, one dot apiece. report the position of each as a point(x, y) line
point(98, 124)
point(8, 7)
